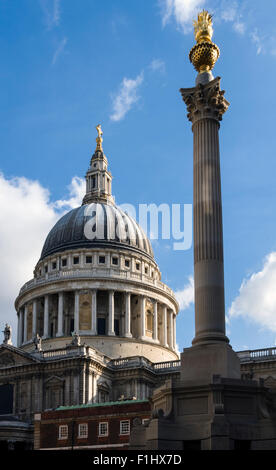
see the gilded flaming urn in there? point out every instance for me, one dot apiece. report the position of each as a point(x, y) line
point(205, 53)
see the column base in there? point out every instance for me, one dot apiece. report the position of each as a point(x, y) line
point(128, 335)
point(59, 334)
point(202, 362)
point(111, 333)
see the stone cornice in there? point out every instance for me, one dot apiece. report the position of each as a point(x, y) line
point(205, 101)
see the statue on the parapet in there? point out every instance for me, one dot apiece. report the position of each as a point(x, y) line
point(37, 343)
point(7, 334)
point(75, 339)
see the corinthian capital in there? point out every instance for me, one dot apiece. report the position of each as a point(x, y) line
point(205, 101)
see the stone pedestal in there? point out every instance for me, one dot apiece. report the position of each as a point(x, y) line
point(201, 363)
point(224, 414)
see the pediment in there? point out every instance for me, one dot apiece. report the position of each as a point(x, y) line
point(12, 356)
point(103, 386)
point(54, 380)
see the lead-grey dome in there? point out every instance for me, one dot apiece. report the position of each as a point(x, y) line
point(69, 232)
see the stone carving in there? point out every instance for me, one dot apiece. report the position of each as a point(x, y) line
point(7, 334)
point(6, 360)
point(75, 339)
point(37, 343)
point(205, 101)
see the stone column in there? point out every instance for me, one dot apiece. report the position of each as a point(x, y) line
point(111, 331)
point(170, 339)
point(46, 317)
point(25, 323)
point(174, 331)
point(60, 314)
point(155, 321)
point(210, 354)
point(206, 105)
point(143, 317)
point(76, 312)
point(34, 327)
point(94, 312)
point(128, 315)
point(20, 328)
point(165, 336)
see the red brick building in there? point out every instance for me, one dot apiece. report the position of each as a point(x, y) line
point(94, 426)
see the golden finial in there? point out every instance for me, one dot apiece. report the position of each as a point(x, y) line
point(203, 28)
point(99, 139)
point(205, 53)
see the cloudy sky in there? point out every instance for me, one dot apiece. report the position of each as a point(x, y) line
point(67, 65)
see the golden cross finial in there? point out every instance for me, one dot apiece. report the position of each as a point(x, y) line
point(99, 139)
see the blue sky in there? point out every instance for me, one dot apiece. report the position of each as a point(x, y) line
point(67, 65)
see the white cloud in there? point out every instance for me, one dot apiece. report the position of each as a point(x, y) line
point(59, 50)
point(157, 65)
point(185, 297)
point(127, 96)
point(26, 216)
point(257, 41)
point(257, 296)
point(239, 27)
point(51, 12)
point(182, 11)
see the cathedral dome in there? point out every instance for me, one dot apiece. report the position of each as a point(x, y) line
point(113, 229)
point(97, 283)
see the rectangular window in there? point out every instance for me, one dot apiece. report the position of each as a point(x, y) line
point(146, 270)
point(76, 260)
point(103, 429)
point(83, 430)
point(125, 427)
point(88, 259)
point(63, 432)
point(6, 399)
point(46, 268)
point(64, 262)
point(54, 265)
point(138, 266)
point(115, 261)
point(127, 263)
point(102, 259)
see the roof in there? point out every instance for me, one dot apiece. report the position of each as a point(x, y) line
point(109, 227)
point(95, 405)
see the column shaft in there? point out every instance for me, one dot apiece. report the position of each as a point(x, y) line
point(208, 238)
point(76, 312)
point(25, 323)
point(170, 339)
point(94, 312)
point(60, 314)
point(143, 317)
point(34, 326)
point(155, 321)
point(20, 328)
point(46, 317)
point(111, 331)
point(127, 333)
point(165, 336)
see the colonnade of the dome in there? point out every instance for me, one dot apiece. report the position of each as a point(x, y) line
point(97, 312)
